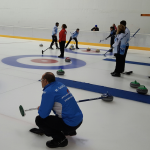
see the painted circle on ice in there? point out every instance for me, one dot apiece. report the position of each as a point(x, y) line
point(49, 61)
point(85, 52)
point(12, 61)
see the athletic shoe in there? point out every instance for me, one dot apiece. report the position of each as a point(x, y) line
point(37, 131)
point(51, 48)
point(54, 143)
point(57, 48)
point(116, 74)
point(77, 47)
point(70, 133)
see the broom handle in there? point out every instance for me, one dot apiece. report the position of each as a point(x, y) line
point(31, 109)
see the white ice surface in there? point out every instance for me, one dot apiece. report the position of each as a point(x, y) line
point(120, 125)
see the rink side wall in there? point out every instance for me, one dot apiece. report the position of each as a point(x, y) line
point(35, 19)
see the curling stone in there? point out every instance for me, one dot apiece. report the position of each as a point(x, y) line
point(72, 47)
point(134, 84)
point(67, 59)
point(142, 90)
point(107, 97)
point(97, 50)
point(88, 49)
point(41, 45)
point(60, 72)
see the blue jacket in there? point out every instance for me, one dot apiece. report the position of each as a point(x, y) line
point(55, 30)
point(75, 34)
point(58, 98)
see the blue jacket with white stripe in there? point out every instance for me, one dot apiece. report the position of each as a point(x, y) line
point(58, 98)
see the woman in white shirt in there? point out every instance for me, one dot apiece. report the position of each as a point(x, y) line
point(119, 50)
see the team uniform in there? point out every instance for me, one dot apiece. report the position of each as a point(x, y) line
point(54, 37)
point(68, 117)
point(62, 41)
point(127, 39)
point(119, 51)
point(112, 35)
point(73, 36)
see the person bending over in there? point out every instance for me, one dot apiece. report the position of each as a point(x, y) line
point(54, 36)
point(112, 35)
point(95, 28)
point(74, 36)
point(68, 116)
point(62, 40)
point(123, 22)
point(119, 50)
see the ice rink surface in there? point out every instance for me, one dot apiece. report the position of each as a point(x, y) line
point(120, 125)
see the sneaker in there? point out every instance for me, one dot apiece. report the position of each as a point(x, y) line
point(57, 48)
point(77, 47)
point(54, 143)
point(70, 133)
point(51, 48)
point(116, 74)
point(37, 131)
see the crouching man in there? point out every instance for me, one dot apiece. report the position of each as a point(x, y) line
point(68, 116)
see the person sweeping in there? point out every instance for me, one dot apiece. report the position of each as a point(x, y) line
point(74, 36)
point(54, 36)
point(68, 117)
point(112, 36)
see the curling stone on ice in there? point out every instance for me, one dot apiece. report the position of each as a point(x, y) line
point(60, 72)
point(67, 59)
point(41, 45)
point(134, 84)
point(88, 49)
point(97, 50)
point(72, 47)
point(142, 90)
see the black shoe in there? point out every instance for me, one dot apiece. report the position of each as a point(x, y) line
point(51, 48)
point(77, 47)
point(57, 48)
point(54, 143)
point(70, 133)
point(61, 56)
point(37, 131)
point(116, 74)
point(112, 72)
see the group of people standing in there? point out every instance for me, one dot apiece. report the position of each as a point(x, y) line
point(119, 44)
point(62, 38)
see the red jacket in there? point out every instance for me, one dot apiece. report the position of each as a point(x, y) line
point(62, 35)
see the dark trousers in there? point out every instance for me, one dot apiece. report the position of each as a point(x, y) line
point(54, 39)
point(120, 63)
point(125, 56)
point(71, 40)
point(111, 43)
point(62, 48)
point(54, 126)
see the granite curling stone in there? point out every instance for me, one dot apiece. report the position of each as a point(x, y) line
point(142, 90)
point(134, 84)
point(97, 50)
point(67, 59)
point(41, 45)
point(88, 49)
point(60, 72)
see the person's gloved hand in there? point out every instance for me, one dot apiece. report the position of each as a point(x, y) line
point(115, 54)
